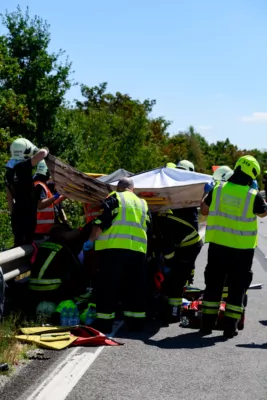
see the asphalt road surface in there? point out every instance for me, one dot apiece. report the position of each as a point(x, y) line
point(163, 363)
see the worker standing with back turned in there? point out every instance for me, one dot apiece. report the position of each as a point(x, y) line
point(21, 197)
point(232, 208)
point(120, 235)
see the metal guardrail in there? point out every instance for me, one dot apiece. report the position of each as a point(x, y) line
point(15, 262)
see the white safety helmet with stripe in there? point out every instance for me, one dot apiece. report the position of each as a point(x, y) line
point(42, 168)
point(22, 148)
point(187, 165)
point(222, 173)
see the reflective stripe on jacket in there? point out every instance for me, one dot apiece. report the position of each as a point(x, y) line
point(91, 212)
point(46, 216)
point(41, 282)
point(128, 229)
point(231, 221)
point(190, 239)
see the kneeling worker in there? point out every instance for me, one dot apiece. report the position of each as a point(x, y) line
point(56, 273)
point(181, 244)
point(120, 235)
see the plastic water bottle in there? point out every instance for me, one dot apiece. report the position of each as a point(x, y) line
point(64, 317)
point(76, 318)
point(73, 317)
point(90, 315)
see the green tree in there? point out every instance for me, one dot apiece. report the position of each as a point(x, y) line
point(37, 79)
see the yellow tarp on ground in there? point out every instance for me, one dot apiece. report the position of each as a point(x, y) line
point(53, 338)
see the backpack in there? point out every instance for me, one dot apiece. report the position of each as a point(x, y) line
point(2, 293)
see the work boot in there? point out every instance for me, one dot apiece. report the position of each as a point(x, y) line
point(205, 331)
point(230, 328)
point(207, 324)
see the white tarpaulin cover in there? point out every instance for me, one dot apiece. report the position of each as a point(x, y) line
point(165, 188)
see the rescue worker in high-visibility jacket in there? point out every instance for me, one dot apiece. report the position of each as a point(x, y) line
point(181, 244)
point(120, 236)
point(56, 273)
point(46, 201)
point(232, 208)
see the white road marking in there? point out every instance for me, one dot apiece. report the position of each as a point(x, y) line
point(67, 374)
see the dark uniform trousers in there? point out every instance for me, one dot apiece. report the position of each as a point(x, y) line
point(179, 274)
point(226, 267)
point(121, 276)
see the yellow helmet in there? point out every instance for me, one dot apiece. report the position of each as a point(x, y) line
point(249, 165)
point(170, 165)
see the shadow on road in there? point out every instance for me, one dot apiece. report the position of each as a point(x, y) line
point(186, 341)
point(253, 346)
point(150, 330)
point(191, 340)
point(264, 323)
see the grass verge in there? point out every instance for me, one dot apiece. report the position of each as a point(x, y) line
point(11, 350)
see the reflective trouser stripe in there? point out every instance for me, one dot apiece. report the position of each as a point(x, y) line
point(175, 301)
point(210, 307)
point(210, 311)
point(234, 312)
point(212, 304)
point(232, 315)
point(134, 314)
point(105, 316)
point(231, 307)
point(169, 256)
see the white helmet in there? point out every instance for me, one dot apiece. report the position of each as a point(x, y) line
point(223, 173)
point(187, 165)
point(42, 168)
point(22, 149)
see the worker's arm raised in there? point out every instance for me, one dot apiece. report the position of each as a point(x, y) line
point(39, 156)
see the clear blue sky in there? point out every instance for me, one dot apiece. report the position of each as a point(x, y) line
point(204, 61)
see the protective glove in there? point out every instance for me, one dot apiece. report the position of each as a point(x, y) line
point(254, 184)
point(208, 187)
point(56, 195)
point(88, 245)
